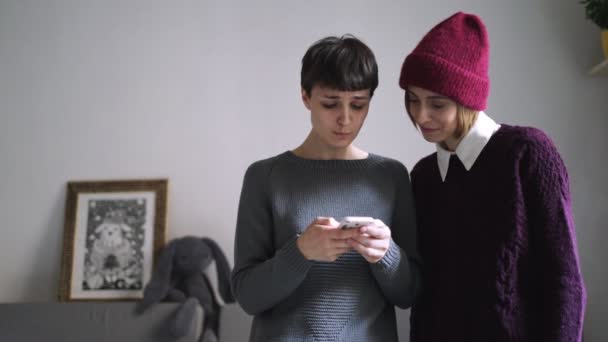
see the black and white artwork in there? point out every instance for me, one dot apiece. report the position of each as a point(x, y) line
point(113, 231)
point(114, 245)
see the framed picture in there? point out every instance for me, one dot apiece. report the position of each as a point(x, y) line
point(113, 232)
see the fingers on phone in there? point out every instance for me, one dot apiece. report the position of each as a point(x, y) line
point(366, 252)
point(321, 220)
point(377, 232)
point(340, 243)
point(328, 222)
point(342, 234)
point(370, 242)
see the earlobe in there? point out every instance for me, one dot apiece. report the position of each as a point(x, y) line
point(305, 99)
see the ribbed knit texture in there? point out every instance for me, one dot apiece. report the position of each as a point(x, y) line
point(498, 245)
point(294, 299)
point(452, 60)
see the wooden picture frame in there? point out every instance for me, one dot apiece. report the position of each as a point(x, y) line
point(114, 230)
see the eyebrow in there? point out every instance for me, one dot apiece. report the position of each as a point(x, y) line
point(432, 97)
point(336, 97)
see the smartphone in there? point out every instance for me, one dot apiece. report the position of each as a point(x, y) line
point(355, 222)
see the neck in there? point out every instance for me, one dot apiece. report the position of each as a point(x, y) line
point(313, 149)
point(451, 144)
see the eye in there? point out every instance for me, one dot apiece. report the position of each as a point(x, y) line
point(410, 97)
point(437, 105)
point(329, 105)
point(356, 106)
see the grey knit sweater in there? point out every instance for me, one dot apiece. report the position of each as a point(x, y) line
point(295, 299)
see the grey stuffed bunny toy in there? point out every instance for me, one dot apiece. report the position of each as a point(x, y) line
point(179, 277)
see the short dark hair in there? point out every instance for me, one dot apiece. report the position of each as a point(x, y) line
point(344, 63)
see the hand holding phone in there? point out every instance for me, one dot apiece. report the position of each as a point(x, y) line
point(373, 241)
point(322, 241)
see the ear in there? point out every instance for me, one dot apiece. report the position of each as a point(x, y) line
point(159, 284)
point(223, 270)
point(306, 99)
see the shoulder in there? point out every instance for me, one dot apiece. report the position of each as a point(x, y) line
point(424, 165)
point(537, 154)
point(528, 138)
point(387, 162)
point(393, 166)
point(263, 167)
point(390, 171)
point(532, 144)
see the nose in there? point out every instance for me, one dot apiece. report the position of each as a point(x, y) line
point(344, 118)
point(420, 114)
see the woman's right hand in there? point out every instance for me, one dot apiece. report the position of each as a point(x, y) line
point(323, 241)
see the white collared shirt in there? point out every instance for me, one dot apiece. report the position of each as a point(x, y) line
point(470, 146)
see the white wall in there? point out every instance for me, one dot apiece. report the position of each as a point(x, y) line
point(197, 90)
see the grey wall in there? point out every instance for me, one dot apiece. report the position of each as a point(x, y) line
point(197, 90)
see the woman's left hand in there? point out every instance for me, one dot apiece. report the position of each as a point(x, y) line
point(372, 242)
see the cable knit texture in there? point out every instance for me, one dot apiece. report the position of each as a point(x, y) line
point(294, 299)
point(452, 60)
point(499, 245)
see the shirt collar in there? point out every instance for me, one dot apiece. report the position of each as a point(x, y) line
point(470, 146)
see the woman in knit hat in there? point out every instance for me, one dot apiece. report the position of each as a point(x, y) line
point(296, 272)
point(495, 225)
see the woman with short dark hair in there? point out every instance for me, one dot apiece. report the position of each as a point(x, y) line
point(302, 277)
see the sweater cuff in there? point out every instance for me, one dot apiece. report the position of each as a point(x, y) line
point(293, 258)
point(390, 261)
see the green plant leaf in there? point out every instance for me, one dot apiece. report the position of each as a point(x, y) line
point(597, 12)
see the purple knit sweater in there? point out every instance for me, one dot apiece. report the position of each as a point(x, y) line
point(498, 245)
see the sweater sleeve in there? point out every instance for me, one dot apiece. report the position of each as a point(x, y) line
point(263, 275)
point(398, 272)
point(552, 235)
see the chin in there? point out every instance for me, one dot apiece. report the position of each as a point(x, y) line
point(339, 146)
point(433, 140)
point(336, 143)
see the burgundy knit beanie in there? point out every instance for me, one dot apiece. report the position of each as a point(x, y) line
point(452, 60)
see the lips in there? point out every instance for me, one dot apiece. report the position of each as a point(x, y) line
point(428, 130)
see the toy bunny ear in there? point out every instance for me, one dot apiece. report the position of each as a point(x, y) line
point(223, 270)
point(156, 290)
